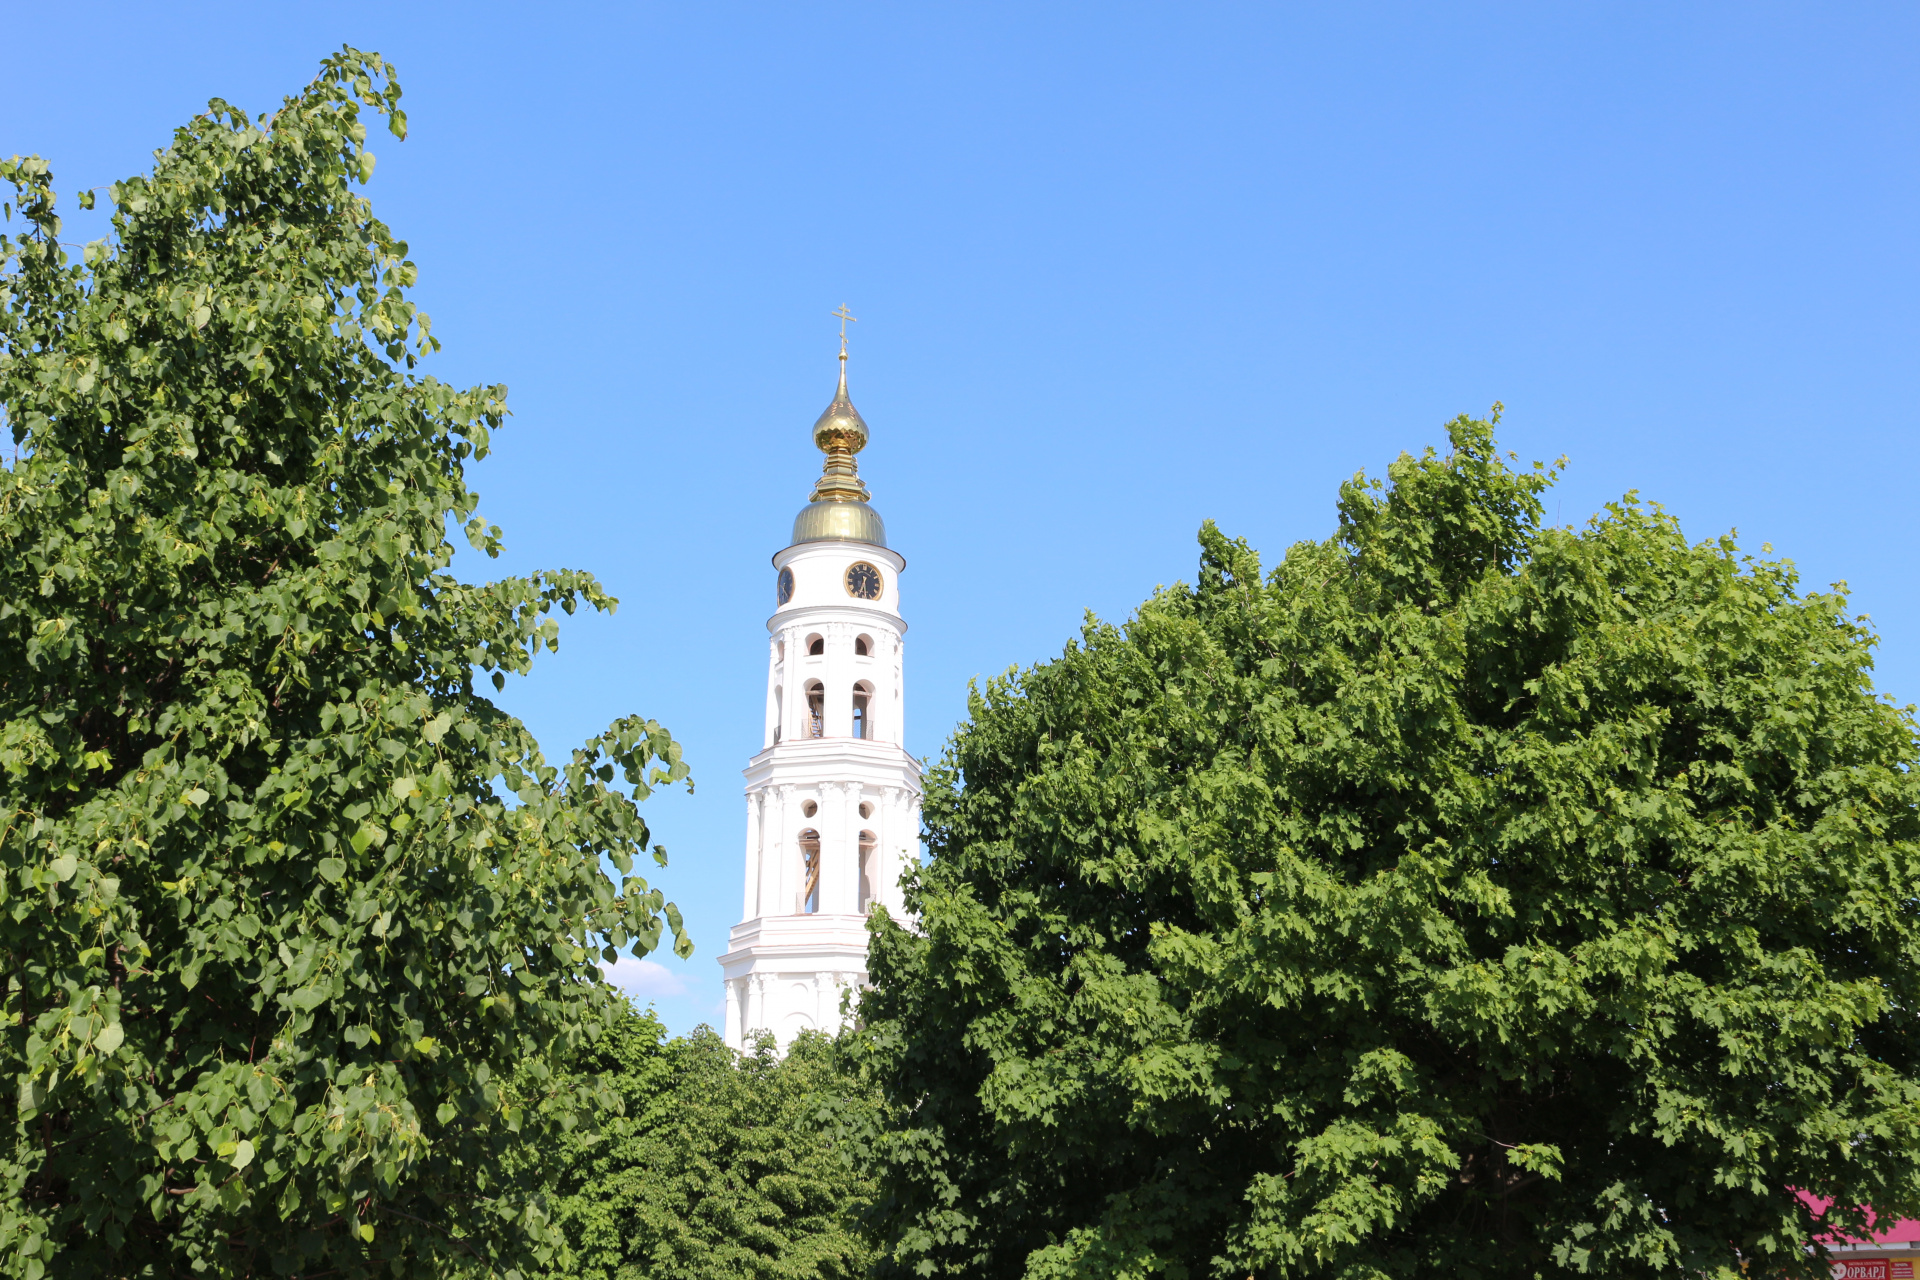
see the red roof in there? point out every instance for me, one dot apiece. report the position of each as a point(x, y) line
point(1884, 1231)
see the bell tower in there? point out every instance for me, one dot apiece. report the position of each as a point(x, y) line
point(833, 798)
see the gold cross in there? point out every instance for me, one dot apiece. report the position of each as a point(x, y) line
point(845, 315)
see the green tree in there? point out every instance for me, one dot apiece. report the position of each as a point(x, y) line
point(723, 1166)
point(285, 907)
point(1464, 898)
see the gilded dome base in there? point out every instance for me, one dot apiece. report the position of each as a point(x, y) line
point(839, 522)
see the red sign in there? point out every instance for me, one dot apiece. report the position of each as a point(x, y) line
point(1865, 1269)
point(1875, 1269)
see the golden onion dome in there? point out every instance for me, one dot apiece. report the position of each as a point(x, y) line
point(840, 425)
point(839, 510)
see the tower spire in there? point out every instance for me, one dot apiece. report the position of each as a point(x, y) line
point(840, 432)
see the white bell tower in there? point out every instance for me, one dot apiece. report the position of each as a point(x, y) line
point(833, 798)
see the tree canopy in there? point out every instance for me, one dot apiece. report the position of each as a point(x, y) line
point(293, 921)
point(721, 1166)
point(1464, 897)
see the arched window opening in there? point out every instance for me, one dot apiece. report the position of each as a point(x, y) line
point(779, 710)
point(809, 871)
point(869, 867)
point(862, 647)
point(860, 696)
point(816, 646)
point(808, 808)
point(781, 654)
point(816, 711)
point(866, 810)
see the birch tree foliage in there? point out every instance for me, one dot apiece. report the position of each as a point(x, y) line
point(286, 905)
point(1464, 897)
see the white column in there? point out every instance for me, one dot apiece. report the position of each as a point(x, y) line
point(764, 868)
point(855, 823)
point(755, 803)
point(884, 826)
point(887, 693)
point(793, 863)
point(796, 860)
point(733, 1011)
point(773, 682)
point(896, 692)
point(847, 874)
point(884, 728)
point(794, 680)
point(833, 838)
point(832, 828)
point(904, 845)
point(838, 680)
point(775, 839)
point(900, 842)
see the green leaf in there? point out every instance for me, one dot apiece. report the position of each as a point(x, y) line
point(109, 1039)
point(242, 1154)
point(332, 869)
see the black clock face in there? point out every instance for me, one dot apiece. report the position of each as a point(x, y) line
point(863, 581)
point(785, 589)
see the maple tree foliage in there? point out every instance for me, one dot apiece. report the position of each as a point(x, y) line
point(293, 919)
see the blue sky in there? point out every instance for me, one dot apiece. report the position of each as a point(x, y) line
point(1119, 268)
